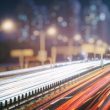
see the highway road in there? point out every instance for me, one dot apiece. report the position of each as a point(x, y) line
point(102, 101)
point(36, 69)
point(12, 87)
point(69, 90)
point(84, 95)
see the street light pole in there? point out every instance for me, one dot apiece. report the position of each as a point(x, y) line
point(94, 50)
point(42, 41)
point(77, 40)
point(102, 60)
point(52, 32)
point(42, 54)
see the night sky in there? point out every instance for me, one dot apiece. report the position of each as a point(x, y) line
point(8, 7)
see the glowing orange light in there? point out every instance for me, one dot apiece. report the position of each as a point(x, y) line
point(8, 25)
point(52, 31)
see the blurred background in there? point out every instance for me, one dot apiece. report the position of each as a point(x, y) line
point(37, 32)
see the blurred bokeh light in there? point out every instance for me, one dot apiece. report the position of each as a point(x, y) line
point(8, 25)
point(55, 31)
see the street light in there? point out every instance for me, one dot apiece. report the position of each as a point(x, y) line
point(102, 47)
point(91, 40)
point(77, 40)
point(8, 25)
point(99, 42)
point(36, 33)
point(52, 31)
point(77, 37)
point(94, 42)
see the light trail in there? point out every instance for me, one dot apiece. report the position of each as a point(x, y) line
point(80, 98)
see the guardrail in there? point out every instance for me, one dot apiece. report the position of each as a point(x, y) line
point(17, 70)
point(27, 97)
